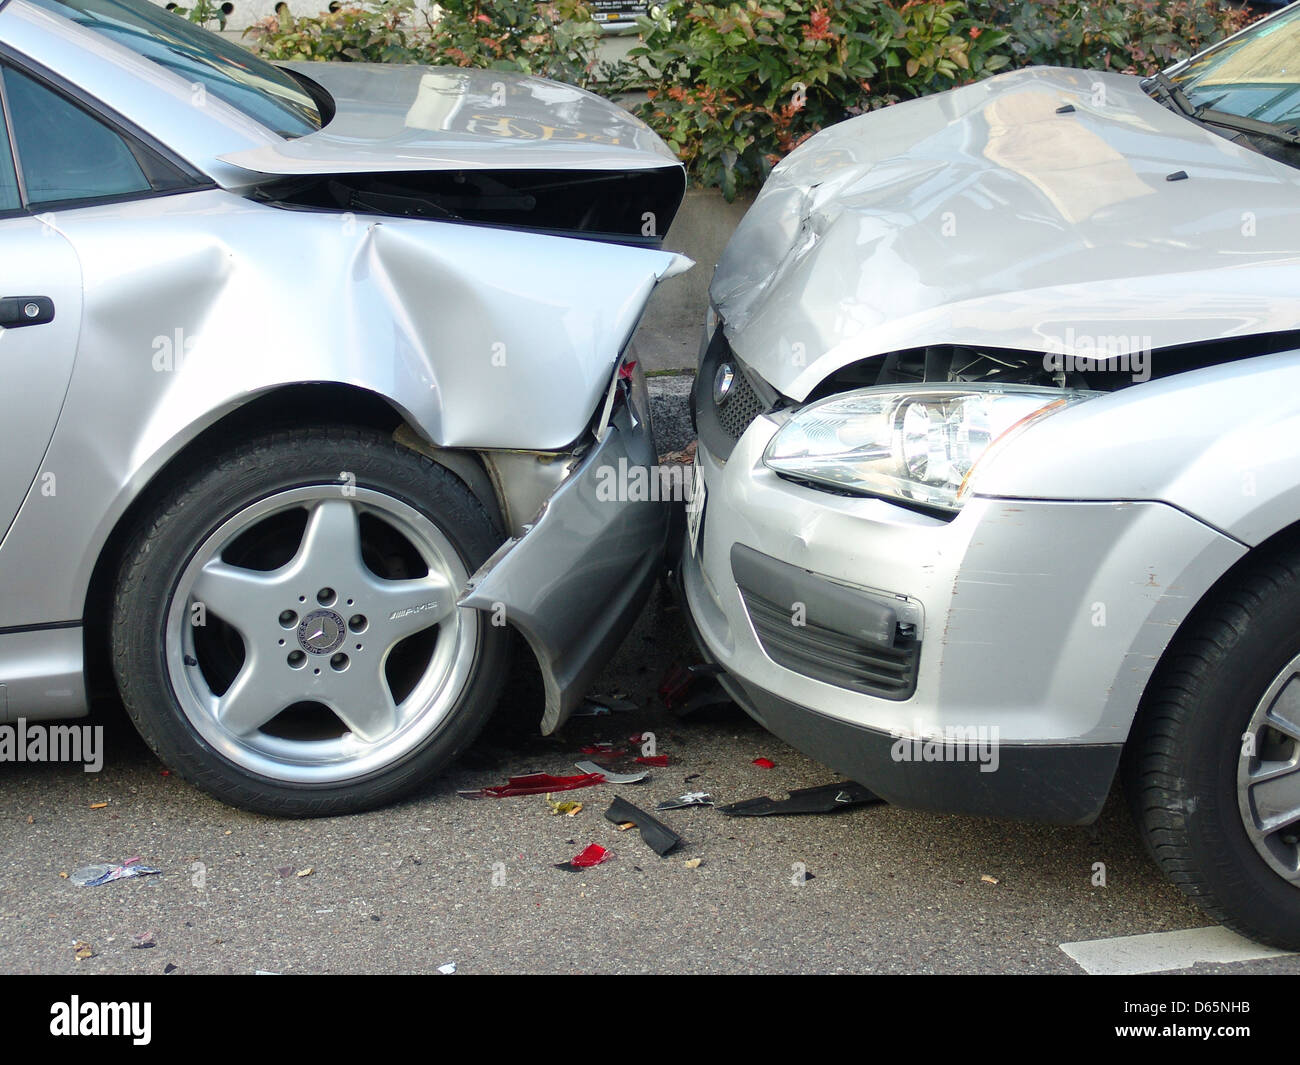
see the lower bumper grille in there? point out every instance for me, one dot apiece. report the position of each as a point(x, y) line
point(826, 631)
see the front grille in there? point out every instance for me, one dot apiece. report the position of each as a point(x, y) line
point(741, 407)
point(827, 631)
point(720, 425)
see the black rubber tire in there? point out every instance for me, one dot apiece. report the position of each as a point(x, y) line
point(166, 538)
point(1180, 765)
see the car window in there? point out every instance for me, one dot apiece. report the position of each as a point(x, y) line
point(228, 71)
point(64, 152)
point(1254, 75)
point(9, 198)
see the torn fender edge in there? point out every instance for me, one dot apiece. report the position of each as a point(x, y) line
point(575, 580)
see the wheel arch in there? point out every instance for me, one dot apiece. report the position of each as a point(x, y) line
point(285, 407)
point(1284, 541)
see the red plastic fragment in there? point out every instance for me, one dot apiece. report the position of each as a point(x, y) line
point(660, 760)
point(625, 371)
point(675, 681)
point(535, 784)
point(604, 748)
point(764, 763)
point(592, 855)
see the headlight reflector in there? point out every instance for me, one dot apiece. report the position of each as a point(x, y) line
point(918, 443)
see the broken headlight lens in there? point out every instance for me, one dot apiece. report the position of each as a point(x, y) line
point(919, 443)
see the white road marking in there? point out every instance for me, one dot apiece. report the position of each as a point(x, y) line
point(1161, 952)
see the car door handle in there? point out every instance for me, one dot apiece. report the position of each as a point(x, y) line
point(18, 311)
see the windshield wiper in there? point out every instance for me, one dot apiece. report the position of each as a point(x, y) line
point(1251, 126)
point(1170, 92)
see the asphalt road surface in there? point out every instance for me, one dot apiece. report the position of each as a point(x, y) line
point(441, 879)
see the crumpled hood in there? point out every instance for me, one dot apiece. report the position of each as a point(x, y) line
point(988, 216)
point(392, 118)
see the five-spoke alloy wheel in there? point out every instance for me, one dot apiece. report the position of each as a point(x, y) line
point(286, 633)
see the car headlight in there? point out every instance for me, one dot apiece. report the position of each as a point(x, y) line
point(919, 443)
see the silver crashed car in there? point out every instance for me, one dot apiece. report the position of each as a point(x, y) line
point(306, 374)
point(999, 464)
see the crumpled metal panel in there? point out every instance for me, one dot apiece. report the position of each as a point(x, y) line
point(984, 217)
point(575, 581)
point(194, 304)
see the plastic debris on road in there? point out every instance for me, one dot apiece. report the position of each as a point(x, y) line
point(591, 768)
point(143, 941)
point(448, 970)
point(568, 809)
point(764, 763)
point(658, 760)
point(691, 798)
point(535, 784)
point(608, 750)
point(81, 951)
point(824, 799)
point(659, 837)
point(585, 859)
point(94, 875)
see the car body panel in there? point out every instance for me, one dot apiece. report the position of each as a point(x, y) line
point(36, 360)
point(1043, 212)
point(574, 581)
point(874, 235)
point(1221, 443)
point(496, 347)
point(1038, 567)
point(422, 313)
point(394, 118)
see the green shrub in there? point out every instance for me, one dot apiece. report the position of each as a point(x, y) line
point(553, 40)
point(1136, 37)
point(736, 86)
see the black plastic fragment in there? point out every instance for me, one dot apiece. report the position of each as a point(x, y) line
point(1065, 109)
point(660, 838)
point(1177, 175)
point(825, 799)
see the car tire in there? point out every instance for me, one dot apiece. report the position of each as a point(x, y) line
point(285, 633)
point(1211, 803)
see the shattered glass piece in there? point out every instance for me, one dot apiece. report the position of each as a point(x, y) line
point(94, 875)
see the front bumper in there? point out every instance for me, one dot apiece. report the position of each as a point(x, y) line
point(574, 582)
point(1030, 626)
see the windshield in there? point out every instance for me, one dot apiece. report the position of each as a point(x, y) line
point(1255, 75)
point(263, 92)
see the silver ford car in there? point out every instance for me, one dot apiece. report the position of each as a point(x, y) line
point(998, 483)
point(306, 374)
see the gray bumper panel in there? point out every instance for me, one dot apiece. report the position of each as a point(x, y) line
point(1061, 784)
point(575, 581)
